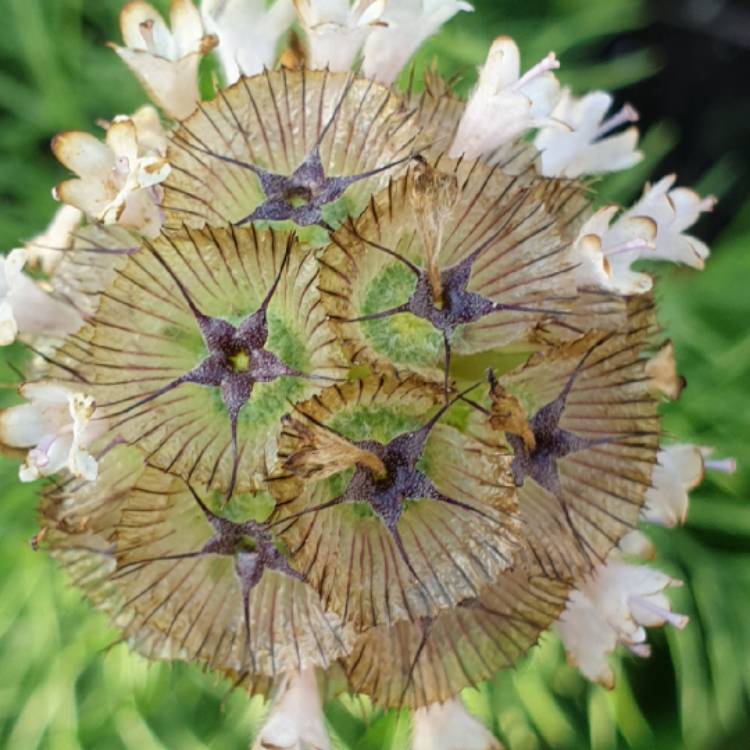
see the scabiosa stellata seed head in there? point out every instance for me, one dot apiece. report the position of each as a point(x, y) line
point(349, 387)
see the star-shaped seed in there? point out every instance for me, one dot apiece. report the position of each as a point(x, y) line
point(251, 545)
point(455, 306)
point(237, 357)
point(302, 195)
point(552, 443)
point(390, 480)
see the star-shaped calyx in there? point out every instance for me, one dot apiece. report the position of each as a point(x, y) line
point(442, 296)
point(386, 476)
point(302, 195)
point(236, 358)
point(537, 458)
point(251, 545)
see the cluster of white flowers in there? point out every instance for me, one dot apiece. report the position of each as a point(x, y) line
point(57, 425)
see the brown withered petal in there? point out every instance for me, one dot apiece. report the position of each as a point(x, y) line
point(273, 123)
point(439, 525)
point(662, 369)
point(416, 664)
point(507, 415)
point(182, 583)
point(320, 453)
point(198, 346)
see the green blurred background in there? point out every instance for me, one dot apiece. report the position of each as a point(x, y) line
point(65, 686)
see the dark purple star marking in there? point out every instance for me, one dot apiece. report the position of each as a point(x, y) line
point(237, 358)
point(251, 545)
point(403, 481)
point(301, 196)
point(552, 442)
point(458, 306)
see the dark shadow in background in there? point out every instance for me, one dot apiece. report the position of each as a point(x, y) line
point(703, 90)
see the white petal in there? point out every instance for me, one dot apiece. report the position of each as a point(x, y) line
point(588, 639)
point(449, 726)
point(92, 196)
point(24, 426)
point(679, 470)
point(8, 324)
point(141, 211)
point(38, 313)
point(171, 85)
point(123, 140)
point(409, 23)
point(152, 140)
point(296, 719)
point(187, 27)
point(132, 18)
point(46, 249)
point(248, 33)
point(83, 154)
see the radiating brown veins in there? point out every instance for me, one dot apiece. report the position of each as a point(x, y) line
point(251, 545)
point(301, 196)
point(458, 306)
point(552, 442)
point(386, 495)
point(237, 358)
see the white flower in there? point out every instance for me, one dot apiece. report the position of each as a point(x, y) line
point(46, 249)
point(674, 211)
point(449, 726)
point(165, 62)
point(407, 23)
point(296, 719)
point(583, 148)
point(337, 30)
point(57, 425)
point(604, 252)
point(25, 308)
point(248, 33)
point(679, 469)
point(504, 104)
point(615, 606)
point(652, 229)
point(118, 179)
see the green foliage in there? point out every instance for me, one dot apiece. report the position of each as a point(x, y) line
point(67, 687)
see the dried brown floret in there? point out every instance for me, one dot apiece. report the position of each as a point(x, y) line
point(199, 345)
point(426, 534)
point(283, 145)
point(502, 267)
point(416, 664)
point(594, 418)
point(183, 582)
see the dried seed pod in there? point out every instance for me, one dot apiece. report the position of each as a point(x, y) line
point(431, 660)
point(501, 266)
point(184, 582)
point(198, 346)
point(594, 418)
point(419, 526)
point(285, 145)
